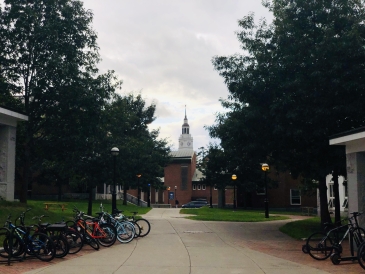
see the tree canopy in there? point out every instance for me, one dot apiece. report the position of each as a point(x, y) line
point(298, 81)
point(48, 69)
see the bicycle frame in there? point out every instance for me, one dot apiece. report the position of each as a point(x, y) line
point(95, 228)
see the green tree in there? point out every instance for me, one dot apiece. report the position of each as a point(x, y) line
point(140, 149)
point(298, 82)
point(49, 47)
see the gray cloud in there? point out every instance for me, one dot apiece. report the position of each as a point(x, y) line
point(164, 48)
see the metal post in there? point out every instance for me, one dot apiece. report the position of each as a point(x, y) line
point(266, 202)
point(234, 197)
point(211, 198)
point(114, 194)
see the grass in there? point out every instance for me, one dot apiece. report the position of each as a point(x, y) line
point(56, 214)
point(302, 229)
point(297, 229)
point(219, 214)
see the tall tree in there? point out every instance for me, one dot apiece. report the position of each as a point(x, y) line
point(49, 46)
point(299, 81)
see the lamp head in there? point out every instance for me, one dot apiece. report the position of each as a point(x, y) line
point(265, 167)
point(234, 177)
point(114, 151)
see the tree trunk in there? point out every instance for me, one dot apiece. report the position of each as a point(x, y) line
point(90, 204)
point(124, 194)
point(325, 215)
point(337, 196)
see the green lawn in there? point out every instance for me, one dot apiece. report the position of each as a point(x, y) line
point(56, 214)
point(296, 229)
point(302, 229)
point(219, 214)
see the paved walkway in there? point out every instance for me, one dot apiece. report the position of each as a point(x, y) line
point(178, 245)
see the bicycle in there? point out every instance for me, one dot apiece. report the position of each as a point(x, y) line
point(61, 235)
point(104, 234)
point(19, 242)
point(125, 229)
point(145, 226)
point(321, 246)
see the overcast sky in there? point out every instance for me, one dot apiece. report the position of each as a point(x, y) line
point(163, 50)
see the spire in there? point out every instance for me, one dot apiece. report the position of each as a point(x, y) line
point(185, 113)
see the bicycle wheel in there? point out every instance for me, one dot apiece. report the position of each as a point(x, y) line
point(137, 229)
point(145, 227)
point(319, 246)
point(42, 247)
point(17, 248)
point(125, 232)
point(361, 255)
point(107, 234)
point(356, 239)
point(74, 241)
point(92, 242)
point(61, 246)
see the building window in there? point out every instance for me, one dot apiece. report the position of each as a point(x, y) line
point(295, 198)
point(184, 177)
point(194, 187)
point(199, 187)
point(260, 190)
point(203, 187)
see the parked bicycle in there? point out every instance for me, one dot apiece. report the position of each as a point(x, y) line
point(125, 230)
point(95, 234)
point(321, 245)
point(19, 241)
point(145, 226)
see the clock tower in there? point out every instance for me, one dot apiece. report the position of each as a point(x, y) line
point(185, 139)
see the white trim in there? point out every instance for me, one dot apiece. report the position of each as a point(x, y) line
point(296, 197)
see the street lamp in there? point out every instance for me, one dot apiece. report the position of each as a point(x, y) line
point(168, 195)
point(114, 152)
point(148, 195)
point(265, 168)
point(234, 177)
point(175, 197)
point(138, 189)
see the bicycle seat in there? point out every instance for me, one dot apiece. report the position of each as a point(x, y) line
point(117, 211)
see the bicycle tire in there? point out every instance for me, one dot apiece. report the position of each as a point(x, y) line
point(145, 227)
point(361, 255)
point(92, 242)
point(61, 246)
point(137, 229)
point(358, 235)
point(319, 246)
point(125, 232)
point(111, 235)
point(42, 246)
point(17, 246)
point(74, 240)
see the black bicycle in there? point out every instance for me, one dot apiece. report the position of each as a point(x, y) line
point(19, 241)
point(321, 245)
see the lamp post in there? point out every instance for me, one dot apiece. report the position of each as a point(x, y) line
point(148, 195)
point(175, 197)
point(234, 177)
point(265, 168)
point(168, 195)
point(138, 189)
point(114, 152)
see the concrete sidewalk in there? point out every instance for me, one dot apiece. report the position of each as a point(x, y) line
point(178, 245)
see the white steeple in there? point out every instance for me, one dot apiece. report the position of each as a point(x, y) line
point(185, 139)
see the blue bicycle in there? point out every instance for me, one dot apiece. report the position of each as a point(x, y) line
point(19, 241)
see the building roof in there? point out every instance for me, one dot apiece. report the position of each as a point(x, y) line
point(10, 117)
point(197, 175)
point(182, 153)
point(342, 138)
